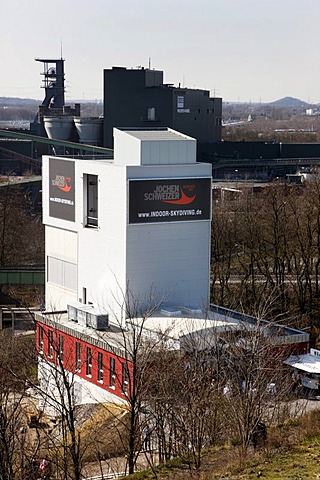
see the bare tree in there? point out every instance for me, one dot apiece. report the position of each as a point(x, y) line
point(15, 368)
point(19, 231)
point(58, 395)
point(256, 381)
point(136, 357)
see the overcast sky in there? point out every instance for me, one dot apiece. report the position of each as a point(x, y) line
point(241, 50)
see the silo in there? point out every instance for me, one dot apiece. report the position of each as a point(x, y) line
point(59, 127)
point(89, 130)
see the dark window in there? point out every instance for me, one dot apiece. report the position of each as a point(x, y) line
point(61, 347)
point(151, 115)
point(125, 378)
point(41, 333)
point(84, 295)
point(50, 342)
point(78, 356)
point(89, 361)
point(100, 367)
point(112, 381)
point(91, 206)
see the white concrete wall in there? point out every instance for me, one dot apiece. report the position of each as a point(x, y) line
point(101, 255)
point(172, 259)
point(60, 244)
point(84, 391)
point(127, 149)
point(98, 252)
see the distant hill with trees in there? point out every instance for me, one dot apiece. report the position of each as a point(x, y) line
point(290, 102)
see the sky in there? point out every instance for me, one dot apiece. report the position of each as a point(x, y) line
point(240, 50)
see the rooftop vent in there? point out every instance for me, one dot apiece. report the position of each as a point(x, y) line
point(88, 316)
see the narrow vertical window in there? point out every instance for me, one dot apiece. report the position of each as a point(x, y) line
point(89, 361)
point(50, 342)
point(100, 367)
point(112, 380)
point(84, 295)
point(125, 378)
point(40, 339)
point(61, 347)
point(91, 200)
point(151, 114)
point(78, 356)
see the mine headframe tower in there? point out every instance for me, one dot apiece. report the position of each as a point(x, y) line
point(53, 82)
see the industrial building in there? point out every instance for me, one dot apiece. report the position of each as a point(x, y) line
point(135, 227)
point(140, 98)
point(128, 239)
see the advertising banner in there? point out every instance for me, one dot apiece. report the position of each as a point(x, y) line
point(61, 189)
point(172, 200)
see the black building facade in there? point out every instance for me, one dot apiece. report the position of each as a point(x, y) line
point(139, 98)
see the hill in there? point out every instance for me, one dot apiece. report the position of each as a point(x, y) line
point(290, 102)
point(292, 453)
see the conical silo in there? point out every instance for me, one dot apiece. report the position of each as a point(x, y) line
point(89, 130)
point(59, 128)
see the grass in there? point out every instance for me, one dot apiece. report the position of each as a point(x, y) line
point(292, 453)
point(299, 463)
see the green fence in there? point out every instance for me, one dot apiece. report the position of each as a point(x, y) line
point(22, 277)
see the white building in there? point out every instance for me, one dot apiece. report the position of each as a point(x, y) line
point(120, 228)
point(125, 231)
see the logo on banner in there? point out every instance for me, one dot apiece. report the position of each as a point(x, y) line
point(62, 182)
point(172, 194)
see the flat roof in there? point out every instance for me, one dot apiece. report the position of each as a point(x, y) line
point(178, 325)
point(175, 327)
point(156, 134)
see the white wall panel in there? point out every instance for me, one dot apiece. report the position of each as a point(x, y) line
point(173, 259)
point(62, 244)
point(127, 149)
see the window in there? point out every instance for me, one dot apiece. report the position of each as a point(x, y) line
point(112, 381)
point(61, 347)
point(125, 378)
point(50, 342)
point(78, 356)
point(41, 339)
point(89, 362)
point(100, 367)
point(151, 114)
point(62, 273)
point(91, 200)
point(84, 295)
